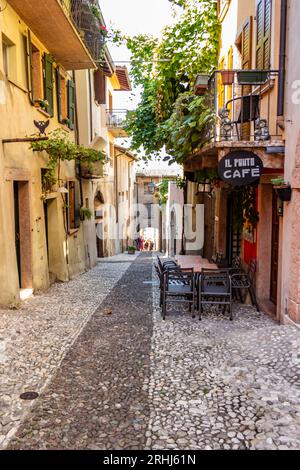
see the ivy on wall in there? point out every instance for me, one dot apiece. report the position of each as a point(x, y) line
point(169, 114)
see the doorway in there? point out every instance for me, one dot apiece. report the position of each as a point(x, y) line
point(275, 250)
point(22, 233)
point(234, 231)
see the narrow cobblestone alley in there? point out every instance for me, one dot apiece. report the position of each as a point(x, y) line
point(133, 381)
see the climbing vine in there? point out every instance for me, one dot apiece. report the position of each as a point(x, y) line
point(166, 69)
point(59, 148)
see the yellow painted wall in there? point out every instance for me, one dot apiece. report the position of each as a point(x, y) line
point(16, 117)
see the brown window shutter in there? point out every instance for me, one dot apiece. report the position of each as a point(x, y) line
point(247, 44)
point(263, 34)
point(267, 34)
point(100, 86)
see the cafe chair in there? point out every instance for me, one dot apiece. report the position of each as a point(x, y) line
point(242, 282)
point(178, 286)
point(215, 289)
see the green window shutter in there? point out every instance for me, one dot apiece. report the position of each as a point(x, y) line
point(71, 104)
point(48, 82)
point(29, 66)
point(77, 205)
point(58, 94)
point(263, 34)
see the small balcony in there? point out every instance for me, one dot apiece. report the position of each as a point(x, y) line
point(50, 22)
point(92, 170)
point(87, 19)
point(245, 105)
point(116, 121)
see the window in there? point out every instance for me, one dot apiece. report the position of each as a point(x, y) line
point(73, 205)
point(61, 96)
point(149, 188)
point(34, 70)
point(9, 58)
point(263, 34)
point(100, 86)
point(71, 103)
point(48, 82)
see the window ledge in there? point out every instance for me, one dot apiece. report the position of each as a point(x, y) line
point(65, 128)
point(72, 231)
point(44, 113)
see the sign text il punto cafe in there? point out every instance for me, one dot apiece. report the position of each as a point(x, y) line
point(240, 168)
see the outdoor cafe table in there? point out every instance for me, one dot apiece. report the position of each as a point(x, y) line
point(195, 262)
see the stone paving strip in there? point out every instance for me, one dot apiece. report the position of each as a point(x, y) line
point(98, 399)
point(35, 338)
point(217, 384)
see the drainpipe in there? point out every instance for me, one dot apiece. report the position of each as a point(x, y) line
point(282, 56)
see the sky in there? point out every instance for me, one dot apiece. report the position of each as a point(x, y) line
point(134, 17)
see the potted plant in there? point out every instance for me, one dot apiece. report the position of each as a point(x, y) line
point(283, 189)
point(227, 77)
point(131, 250)
point(39, 103)
point(66, 122)
point(85, 213)
point(252, 77)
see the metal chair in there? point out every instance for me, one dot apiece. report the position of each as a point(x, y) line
point(245, 282)
point(215, 289)
point(178, 286)
point(160, 274)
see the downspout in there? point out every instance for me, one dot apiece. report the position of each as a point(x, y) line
point(91, 106)
point(282, 57)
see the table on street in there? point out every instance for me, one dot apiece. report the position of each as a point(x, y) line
point(194, 261)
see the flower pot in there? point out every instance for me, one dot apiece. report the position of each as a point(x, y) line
point(284, 192)
point(131, 252)
point(227, 77)
point(252, 77)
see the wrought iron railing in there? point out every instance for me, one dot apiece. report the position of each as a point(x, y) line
point(244, 102)
point(87, 18)
point(116, 118)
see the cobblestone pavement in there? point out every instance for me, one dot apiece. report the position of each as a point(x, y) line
point(133, 381)
point(35, 338)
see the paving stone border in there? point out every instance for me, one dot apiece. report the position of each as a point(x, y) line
point(35, 338)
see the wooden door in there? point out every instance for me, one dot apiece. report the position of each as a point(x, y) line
point(17, 228)
point(275, 251)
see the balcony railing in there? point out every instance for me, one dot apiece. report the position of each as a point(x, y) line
point(244, 102)
point(116, 120)
point(87, 18)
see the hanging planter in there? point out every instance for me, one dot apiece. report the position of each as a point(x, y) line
point(252, 77)
point(284, 192)
point(227, 77)
point(283, 189)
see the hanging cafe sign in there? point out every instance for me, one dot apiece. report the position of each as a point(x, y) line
point(240, 168)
